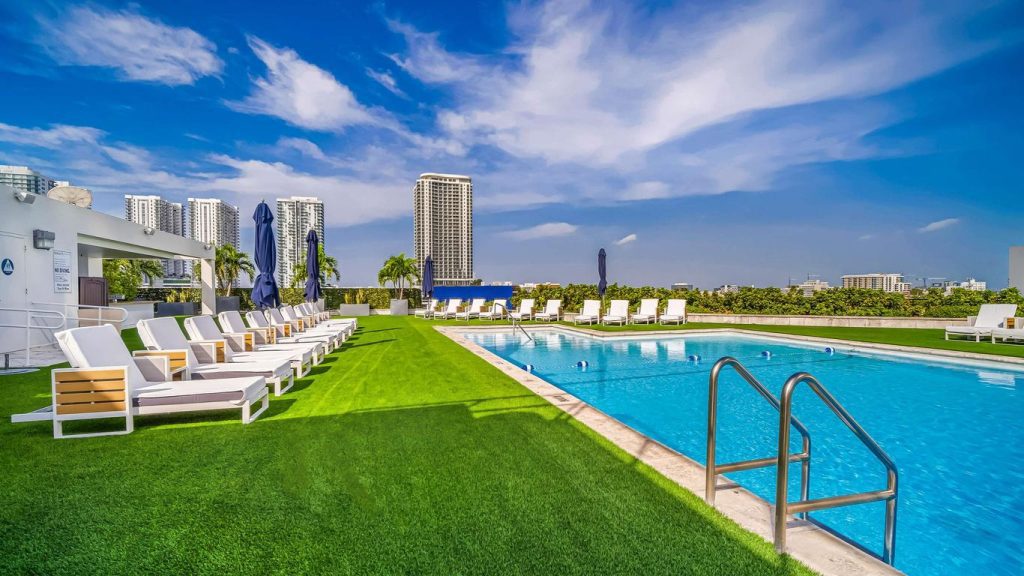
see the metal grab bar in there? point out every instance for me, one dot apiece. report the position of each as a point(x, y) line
point(101, 309)
point(713, 469)
point(782, 506)
point(514, 323)
point(29, 326)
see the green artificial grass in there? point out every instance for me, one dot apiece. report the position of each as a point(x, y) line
point(919, 337)
point(402, 454)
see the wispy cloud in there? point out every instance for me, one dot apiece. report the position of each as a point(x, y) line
point(546, 230)
point(53, 137)
point(938, 225)
point(302, 146)
point(866, 237)
point(301, 93)
point(385, 79)
point(139, 48)
point(626, 240)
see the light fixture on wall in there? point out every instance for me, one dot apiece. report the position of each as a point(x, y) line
point(42, 239)
point(149, 230)
point(24, 197)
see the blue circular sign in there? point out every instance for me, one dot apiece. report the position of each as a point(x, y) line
point(7, 266)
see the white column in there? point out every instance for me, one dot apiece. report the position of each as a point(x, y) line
point(209, 295)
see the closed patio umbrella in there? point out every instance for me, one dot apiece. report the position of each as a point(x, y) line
point(602, 272)
point(264, 288)
point(427, 284)
point(313, 290)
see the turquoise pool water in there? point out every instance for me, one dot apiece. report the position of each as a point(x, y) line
point(955, 432)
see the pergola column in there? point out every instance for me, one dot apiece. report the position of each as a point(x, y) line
point(207, 283)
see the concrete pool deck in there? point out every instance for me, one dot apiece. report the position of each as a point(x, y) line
point(816, 547)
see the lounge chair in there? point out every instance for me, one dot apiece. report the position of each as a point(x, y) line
point(618, 312)
point(1010, 334)
point(107, 382)
point(647, 313)
point(525, 311)
point(590, 313)
point(497, 311)
point(325, 320)
point(428, 310)
point(208, 358)
point(552, 311)
point(289, 328)
point(990, 316)
point(283, 330)
point(241, 346)
point(474, 310)
point(343, 328)
point(450, 310)
point(675, 312)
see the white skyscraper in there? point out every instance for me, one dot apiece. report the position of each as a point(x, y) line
point(443, 226)
point(213, 221)
point(25, 178)
point(159, 214)
point(296, 216)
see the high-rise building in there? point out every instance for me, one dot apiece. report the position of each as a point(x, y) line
point(442, 222)
point(213, 221)
point(159, 214)
point(296, 216)
point(1017, 267)
point(25, 178)
point(883, 282)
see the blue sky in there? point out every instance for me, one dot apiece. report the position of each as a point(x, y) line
point(707, 142)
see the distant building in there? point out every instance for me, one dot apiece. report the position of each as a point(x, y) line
point(809, 287)
point(883, 282)
point(1017, 267)
point(296, 216)
point(527, 286)
point(682, 286)
point(969, 284)
point(727, 289)
point(213, 221)
point(25, 178)
point(159, 214)
point(442, 223)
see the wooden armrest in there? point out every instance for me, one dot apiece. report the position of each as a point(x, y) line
point(240, 341)
point(154, 368)
point(177, 360)
point(208, 351)
point(98, 392)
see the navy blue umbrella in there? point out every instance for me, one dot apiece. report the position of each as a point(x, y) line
point(264, 288)
point(313, 291)
point(427, 285)
point(602, 271)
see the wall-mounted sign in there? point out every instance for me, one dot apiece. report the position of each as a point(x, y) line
point(61, 272)
point(7, 266)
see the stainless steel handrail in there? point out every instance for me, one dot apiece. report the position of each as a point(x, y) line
point(101, 309)
point(29, 326)
point(713, 469)
point(782, 505)
point(514, 323)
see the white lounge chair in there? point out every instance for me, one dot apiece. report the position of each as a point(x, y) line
point(647, 313)
point(476, 306)
point(450, 310)
point(590, 313)
point(497, 311)
point(283, 330)
point(990, 316)
point(325, 320)
point(241, 346)
point(618, 312)
point(525, 311)
point(1010, 334)
point(675, 312)
point(105, 381)
point(552, 311)
point(208, 358)
point(308, 324)
point(428, 310)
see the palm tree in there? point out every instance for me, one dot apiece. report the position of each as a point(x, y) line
point(399, 270)
point(328, 268)
point(229, 266)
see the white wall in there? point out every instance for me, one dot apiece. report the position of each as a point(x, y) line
point(1017, 267)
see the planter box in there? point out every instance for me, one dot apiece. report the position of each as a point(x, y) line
point(227, 303)
point(354, 310)
point(175, 309)
point(399, 307)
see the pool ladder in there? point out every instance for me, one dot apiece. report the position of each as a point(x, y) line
point(783, 507)
point(516, 324)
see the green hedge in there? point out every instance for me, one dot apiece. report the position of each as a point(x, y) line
point(831, 302)
point(378, 298)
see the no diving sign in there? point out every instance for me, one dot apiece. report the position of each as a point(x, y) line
point(7, 266)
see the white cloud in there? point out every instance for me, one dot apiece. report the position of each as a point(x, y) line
point(866, 237)
point(647, 191)
point(385, 79)
point(302, 146)
point(547, 230)
point(626, 240)
point(139, 48)
point(938, 225)
point(53, 137)
point(301, 93)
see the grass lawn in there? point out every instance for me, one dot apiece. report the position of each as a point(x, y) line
point(922, 338)
point(402, 453)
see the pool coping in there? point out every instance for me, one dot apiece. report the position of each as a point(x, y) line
point(816, 547)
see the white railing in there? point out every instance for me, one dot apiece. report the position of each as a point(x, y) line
point(114, 314)
point(35, 319)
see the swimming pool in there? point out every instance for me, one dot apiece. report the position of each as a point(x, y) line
point(956, 432)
